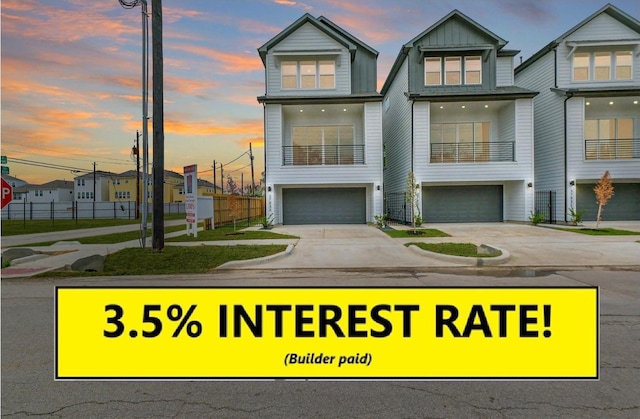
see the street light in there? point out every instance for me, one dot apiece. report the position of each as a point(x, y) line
point(130, 4)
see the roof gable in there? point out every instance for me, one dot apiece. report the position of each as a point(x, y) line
point(306, 18)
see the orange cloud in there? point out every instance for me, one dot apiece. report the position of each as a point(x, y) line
point(228, 62)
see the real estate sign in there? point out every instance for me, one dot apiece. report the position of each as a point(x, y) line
point(191, 197)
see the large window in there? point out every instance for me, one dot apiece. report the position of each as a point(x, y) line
point(323, 145)
point(456, 70)
point(608, 138)
point(308, 74)
point(602, 66)
point(460, 142)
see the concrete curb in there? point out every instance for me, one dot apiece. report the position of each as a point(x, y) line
point(467, 261)
point(241, 263)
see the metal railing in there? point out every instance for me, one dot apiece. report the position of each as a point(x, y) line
point(490, 151)
point(323, 155)
point(612, 149)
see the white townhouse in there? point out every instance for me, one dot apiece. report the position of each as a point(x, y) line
point(323, 126)
point(54, 191)
point(587, 116)
point(84, 187)
point(453, 116)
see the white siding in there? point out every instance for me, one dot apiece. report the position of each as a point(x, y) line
point(504, 71)
point(601, 28)
point(548, 128)
point(308, 38)
point(396, 122)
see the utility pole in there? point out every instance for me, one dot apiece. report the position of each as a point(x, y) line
point(215, 188)
point(136, 152)
point(242, 183)
point(94, 190)
point(253, 183)
point(158, 127)
point(222, 178)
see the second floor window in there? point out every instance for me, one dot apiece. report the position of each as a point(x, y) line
point(309, 74)
point(457, 70)
point(602, 66)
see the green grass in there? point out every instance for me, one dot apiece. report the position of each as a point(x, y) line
point(16, 227)
point(419, 232)
point(173, 260)
point(601, 231)
point(454, 249)
point(227, 233)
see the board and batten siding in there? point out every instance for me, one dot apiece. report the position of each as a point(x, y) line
point(601, 28)
point(308, 38)
point(504, 71)
point(548, 128)
point(396, 125)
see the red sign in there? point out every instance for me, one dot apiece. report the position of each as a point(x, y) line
point(7, 193)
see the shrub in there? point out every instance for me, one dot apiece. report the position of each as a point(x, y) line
point(536, 218)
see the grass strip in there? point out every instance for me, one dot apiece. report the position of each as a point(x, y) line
point(173, 260)
point(228, 233)
point(453, 249)
point(601, 231)
point(419, 232)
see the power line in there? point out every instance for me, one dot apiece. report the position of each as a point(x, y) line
point(48, 165)
point(114, 161)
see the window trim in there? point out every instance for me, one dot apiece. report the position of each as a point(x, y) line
point(443, 72)
point(612, 66)
point(318, 74)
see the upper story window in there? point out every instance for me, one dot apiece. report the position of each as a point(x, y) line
point(456, 70)
point(602, 66)
point(309, 74)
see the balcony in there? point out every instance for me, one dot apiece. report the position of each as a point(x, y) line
point(323, 155)
point(612, 149)
point(488, 151)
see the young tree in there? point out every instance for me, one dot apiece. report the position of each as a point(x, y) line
point(604, 192)
point(411, 196)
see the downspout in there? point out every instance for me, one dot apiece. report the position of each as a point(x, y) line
point(566, 195)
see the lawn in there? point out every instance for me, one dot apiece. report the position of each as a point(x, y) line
point(419, 232)
point(110, 238)
point(453, 249)
point(173, 260)
point(602, 231)
point(227, 233)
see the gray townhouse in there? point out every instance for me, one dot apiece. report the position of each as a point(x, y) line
point(322, 126)
point(587, 115)
point(453, 116)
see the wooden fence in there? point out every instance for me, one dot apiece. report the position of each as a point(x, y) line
point(245, 208)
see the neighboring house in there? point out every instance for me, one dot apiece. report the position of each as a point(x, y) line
point(587, 116)
point(171, 180)
point(18, 185)
point(84, 188)
point(54, 191)
point(205, 188)
point(452, 115)
point(122, 186)
point(323, 127)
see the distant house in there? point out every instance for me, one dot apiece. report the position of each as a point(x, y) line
point(18, 185)
point(587, 116)
point(122, 186)
point(453, 116)
point(55, 191)
point(84, 187)
point(323, 127)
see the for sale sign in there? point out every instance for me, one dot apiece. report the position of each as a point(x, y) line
point(191, 198)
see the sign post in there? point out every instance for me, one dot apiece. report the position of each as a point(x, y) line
point(7, 193)
point(191, 198)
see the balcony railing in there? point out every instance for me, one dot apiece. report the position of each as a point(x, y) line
point(490, 151)
point(323, 155)
point(612, 149)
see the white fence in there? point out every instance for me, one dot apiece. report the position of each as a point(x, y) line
point(79, 210)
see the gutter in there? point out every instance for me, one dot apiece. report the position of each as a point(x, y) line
point(569, 94)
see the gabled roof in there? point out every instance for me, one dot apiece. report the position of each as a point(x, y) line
point(609, 9)
point(323, 24)
point(99, 173)
point(54, 184)
point(452, 15)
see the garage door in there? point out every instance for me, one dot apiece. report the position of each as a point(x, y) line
point(324, 206)
point(624, 205)
point(462, 204)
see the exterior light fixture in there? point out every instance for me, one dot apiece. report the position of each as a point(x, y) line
point(463, 106)
point(573, 182)
point(588, 103)
point(611, 103)
point(530, 185)
point(269, 188)
point(486, 106)
point(378, 187)
point(635, 102)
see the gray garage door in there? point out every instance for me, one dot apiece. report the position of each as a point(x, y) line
point(624, 205)
point(324, 206)
point(462, 204)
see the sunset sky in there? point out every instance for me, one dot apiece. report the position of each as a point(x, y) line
point(71, 71)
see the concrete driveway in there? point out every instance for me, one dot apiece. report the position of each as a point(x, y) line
point(360, 246)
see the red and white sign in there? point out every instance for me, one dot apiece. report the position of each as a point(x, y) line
point(7, 193)
point(191, 197)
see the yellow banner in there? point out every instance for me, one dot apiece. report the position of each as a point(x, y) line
point(336, 333)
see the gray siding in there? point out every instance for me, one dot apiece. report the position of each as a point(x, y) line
point(548, 128)
point(396, 123)
point(504, 71)
point(364, 75)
